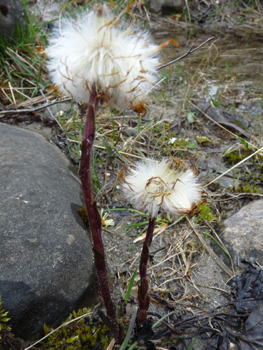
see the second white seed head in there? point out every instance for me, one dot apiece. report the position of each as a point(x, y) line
point(169, 185)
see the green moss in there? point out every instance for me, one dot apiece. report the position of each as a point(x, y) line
point(156, 128)
point(172, 144)
point(84, 216)
point(202, 140)
point(250, 182)
point(246, 188)
point(164, 295)
point(4, 328)
point(235, 157)
point(166, 126)
point(85, 333)
point(214, 186)
point(205, 213)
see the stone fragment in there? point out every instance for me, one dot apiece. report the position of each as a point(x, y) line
point(166, 6)
point(243, 233)
point(219, 115)
point(45, 253)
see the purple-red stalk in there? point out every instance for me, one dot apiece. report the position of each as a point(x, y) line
point(143, 296)
point(85, 175)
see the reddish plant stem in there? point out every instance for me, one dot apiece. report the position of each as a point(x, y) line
point(85, 174)
point(143, 296)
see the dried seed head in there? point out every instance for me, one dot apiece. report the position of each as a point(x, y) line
point(94, 50)
point(169, 185)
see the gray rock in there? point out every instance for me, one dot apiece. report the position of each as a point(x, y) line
point(55, 110)
point(129, 131)
point(166, 6)
point(45, 253)
point(255, 108)
point(13, 21)
point(218, 115)
point(243, 232)
point(221, 116)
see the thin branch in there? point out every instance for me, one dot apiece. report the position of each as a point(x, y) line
point(191, 50)
point(11, 111)
point(188, 10)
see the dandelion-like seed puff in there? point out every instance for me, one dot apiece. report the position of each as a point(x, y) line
point(169, 185)
point(94, 49)
point(96, 60)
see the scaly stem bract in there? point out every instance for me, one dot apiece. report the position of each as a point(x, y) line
point(85, 174)
point(143, 296)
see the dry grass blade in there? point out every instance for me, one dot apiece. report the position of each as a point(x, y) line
point(221, 126)
point(214, 288)
point(236, 165)
point(33, 101)
point(6, 95)
point(13, 54)
point(12, 93)
point(219, 239)
point(123, 153)
point(54, 330)
point(210, 251)
point(111, 345)
point(156, 230)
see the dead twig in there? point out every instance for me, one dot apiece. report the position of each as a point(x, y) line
point(191, 50)
point(12, 111)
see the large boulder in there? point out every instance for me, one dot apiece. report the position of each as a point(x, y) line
point(166, 6)
point(45, 253)
point(243, 233)
point(13, 21)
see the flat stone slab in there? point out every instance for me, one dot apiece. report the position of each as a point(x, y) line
point(243, 233)
point(46, 261)
point(166, 6)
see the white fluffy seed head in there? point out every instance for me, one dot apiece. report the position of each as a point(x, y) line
point(169, 185)
point(94, 50)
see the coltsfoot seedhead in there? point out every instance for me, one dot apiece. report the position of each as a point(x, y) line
point(169, 185)
point(94, 49)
